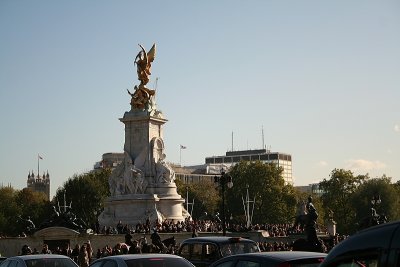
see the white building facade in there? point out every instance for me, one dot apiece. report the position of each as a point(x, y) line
point(231, 158)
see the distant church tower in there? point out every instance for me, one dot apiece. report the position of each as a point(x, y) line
point(39, 183)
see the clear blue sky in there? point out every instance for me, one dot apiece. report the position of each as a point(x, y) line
point(321, 77)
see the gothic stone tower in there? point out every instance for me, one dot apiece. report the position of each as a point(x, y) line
point(39, 183)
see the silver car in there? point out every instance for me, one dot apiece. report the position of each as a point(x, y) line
point(39, 260)
point(142, 260)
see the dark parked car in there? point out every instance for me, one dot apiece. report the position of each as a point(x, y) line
point(142, 260)
point(377, 246)
point(202, 251)
point(39, 260)
point(273, 259)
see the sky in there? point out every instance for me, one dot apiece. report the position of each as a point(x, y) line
point(320, 80)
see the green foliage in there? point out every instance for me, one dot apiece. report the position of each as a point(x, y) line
point(274, 201)
point(337, 194)
point(32, 204)
point(390, 199)
point(204, 195)
point(86, 194)
point(20, 203)
point(8, 211)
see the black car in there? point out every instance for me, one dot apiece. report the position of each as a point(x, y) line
point(273, 259)
point(202, 251)
point(375, 246)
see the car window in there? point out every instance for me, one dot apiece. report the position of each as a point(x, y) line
point(110, 263)
point(185, 252)
point(226, 264)
point(244, 263)
point(359, 261)
point(210, 252)
point(8, 263)
point(49, 262)
point(238, 248)
point(311, 262)
point(197, 251)
point(96, 264)
point(158, 262)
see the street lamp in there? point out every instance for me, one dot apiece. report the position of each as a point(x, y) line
point(376, 200)
point(222, 181)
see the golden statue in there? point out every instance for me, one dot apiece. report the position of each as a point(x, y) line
point(141, 96)
point(143, 62)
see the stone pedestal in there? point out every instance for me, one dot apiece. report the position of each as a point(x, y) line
point(143, 186)
point(331, 227)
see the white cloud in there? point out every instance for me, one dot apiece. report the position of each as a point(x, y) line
point(364, 165)
point(322, 163)
point(397, 128)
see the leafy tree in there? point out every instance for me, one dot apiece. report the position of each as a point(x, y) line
point(337, 194)
point(86, 193)
point(390, 199)
point(8, 211)
point(204, 195)
point(274, 200)
point(32, 204)
point(20, 204)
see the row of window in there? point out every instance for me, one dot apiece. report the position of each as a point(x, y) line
point(235, 159)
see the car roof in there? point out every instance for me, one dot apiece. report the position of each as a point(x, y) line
point(288, 255)
point(39, 256)
point(217, 239)
point(275, 256)
point(142, 256)
point(283, 255)
point(372, 238)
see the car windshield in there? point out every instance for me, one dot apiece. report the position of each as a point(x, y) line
point(158, 262)
point(238, 248)
point(50, 263)
point(315, 262)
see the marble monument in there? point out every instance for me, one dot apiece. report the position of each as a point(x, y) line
point(143, 186)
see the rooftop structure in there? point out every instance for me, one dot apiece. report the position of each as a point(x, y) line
point(39, 183)
point(283, 160)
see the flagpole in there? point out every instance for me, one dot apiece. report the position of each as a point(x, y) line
point(38, 165)
point(180, 154)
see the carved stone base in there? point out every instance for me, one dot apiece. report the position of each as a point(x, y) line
point(137, 208)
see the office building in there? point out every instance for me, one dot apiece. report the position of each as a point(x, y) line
point(283, 160)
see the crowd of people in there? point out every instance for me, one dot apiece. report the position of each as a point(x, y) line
point(83, 254)
point(196, 226)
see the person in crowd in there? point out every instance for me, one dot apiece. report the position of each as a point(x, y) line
point(83, 258)
point(89, 250)
point(26, 250)
point(75, 253)
point(45, 249)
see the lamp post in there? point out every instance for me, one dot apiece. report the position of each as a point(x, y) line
point(222, 181)
point(376, 200)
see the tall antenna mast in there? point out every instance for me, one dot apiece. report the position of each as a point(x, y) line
point(262, 136)
point(232, 141)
